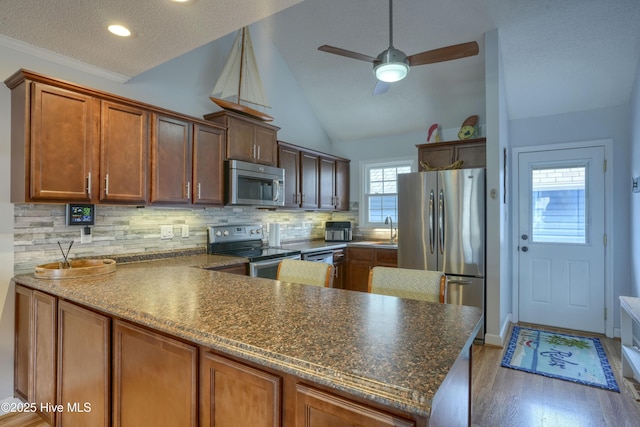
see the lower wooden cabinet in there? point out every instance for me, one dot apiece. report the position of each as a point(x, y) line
point(362, 259)
point(233, 394)
point(154, 379)
point(43, 342)
point(316, 408)
point(242, 269)
point(22, 350)
point(84, 380)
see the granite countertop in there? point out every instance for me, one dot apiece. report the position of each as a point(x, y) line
point(386, 349)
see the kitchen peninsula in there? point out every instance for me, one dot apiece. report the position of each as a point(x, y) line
point(167, 343)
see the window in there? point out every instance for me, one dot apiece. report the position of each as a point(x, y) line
point(380, 191)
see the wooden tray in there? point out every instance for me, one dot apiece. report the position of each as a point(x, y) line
point(79, 268)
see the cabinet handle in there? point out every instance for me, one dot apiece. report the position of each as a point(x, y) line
point(89, 184)
point(199, 191)
point(106, 185)
point(253, 154)
point(335, 271)
point(188, 189)
point(258, 152)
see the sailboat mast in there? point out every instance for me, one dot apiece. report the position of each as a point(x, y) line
point(241, 63)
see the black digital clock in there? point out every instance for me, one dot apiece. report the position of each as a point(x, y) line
point(80, 214)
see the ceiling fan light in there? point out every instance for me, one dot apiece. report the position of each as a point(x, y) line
point(391, 71)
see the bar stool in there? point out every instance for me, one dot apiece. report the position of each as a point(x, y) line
point(424, 285)
point(305, 272)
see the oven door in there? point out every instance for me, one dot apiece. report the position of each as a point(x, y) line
point(267, 269)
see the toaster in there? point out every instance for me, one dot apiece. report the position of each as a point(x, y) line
point(338, 231)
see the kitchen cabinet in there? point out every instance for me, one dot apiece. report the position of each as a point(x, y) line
point(35, 349)
point(235, 394)
point(124, 153)
point(155, 378)
point(313, 180)
point(248, 139)
point(315, 408)
point(54, 135)
point(70, 143)
point(208, 165)
point(471, 151)
point(338, 268)
point(84, 373)
point(360, 260)
point(171, 160)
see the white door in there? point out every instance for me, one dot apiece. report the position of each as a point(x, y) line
point(561, 238)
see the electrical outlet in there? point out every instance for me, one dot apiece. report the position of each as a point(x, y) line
point(185, 230)
point(166, 232)
point(84, 237)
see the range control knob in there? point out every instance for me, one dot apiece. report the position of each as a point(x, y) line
point(218, 233)
point(225, 233)
point(259, 230)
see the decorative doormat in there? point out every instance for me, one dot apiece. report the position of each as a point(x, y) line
point(567, 357)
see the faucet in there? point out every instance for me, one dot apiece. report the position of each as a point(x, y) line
point(392, 235)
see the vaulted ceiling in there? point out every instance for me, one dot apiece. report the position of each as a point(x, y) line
point(557, 57)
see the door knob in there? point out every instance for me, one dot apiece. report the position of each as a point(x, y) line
point(525, 249)
point(524, 237)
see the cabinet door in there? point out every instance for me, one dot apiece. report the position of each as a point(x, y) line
point(44, 352)
point(266, 146)
point(22, 351)
point(436, 156)
point(359, 262)
point(473, 154)
point(289, 160)
point(309, 175)
point(327, 188)
point(386, 257)
point(240, 140)
point(124, 153)
point(171, 160)
point(83, 367)
point(338, 268)
point(64, 129)
point(208, 165)
point(154, 379)
point(233, 394)
point(342, 185)
point(315, 408)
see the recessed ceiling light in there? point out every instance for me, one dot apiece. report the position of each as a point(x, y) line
point(119, 30)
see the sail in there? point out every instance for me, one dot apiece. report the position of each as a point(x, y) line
point(240, 79)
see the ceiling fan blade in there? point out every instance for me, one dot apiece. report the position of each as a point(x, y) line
point(347, 53)
point(448, 53)
point(380, 87)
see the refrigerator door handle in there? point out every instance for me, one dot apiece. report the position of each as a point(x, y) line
point(432, 221)
point(441, 221)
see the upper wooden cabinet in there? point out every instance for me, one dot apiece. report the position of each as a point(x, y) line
point(171, 160)
point(471, 151)
point(208, 165)
point(53, 136)
point(124, 153)
point(70, 143)
point(248, 139)
point(313, 180)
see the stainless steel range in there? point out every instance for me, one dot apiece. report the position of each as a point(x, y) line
point(245, 240)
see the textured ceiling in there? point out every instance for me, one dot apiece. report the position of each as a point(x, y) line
point(557, 56)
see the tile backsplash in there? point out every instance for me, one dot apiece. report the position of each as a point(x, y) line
point(122, 230)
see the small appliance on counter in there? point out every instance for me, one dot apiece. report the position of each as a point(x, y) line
point(338, 231)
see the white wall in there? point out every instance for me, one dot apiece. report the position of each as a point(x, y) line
point(634, 280)
point(608, 123)
point(183, 85)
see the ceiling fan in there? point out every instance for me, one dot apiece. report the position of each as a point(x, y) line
point(393, 65)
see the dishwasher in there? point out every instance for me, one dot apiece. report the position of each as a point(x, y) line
point(319, 256)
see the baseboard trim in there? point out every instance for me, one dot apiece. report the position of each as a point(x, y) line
point(499, 340)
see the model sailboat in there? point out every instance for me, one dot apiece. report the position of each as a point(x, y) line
point(239, 87)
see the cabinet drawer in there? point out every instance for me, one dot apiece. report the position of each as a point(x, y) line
point(360, 254)
point(386, 257)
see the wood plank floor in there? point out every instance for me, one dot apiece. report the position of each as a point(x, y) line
point(505, 397)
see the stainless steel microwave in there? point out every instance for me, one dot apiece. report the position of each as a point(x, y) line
point(254, 185)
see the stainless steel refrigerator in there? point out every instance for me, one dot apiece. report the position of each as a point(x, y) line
point(441, 226)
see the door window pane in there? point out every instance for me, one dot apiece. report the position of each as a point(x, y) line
point(558, 205)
